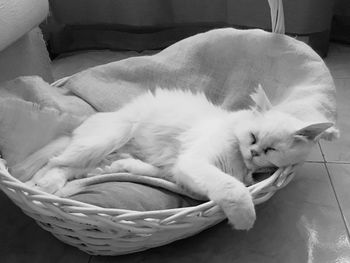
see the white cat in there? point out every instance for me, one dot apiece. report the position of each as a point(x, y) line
point(181, 136)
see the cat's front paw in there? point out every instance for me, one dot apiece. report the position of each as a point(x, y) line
point(237, 205)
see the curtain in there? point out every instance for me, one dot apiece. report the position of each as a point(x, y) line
point(341, 21)
point(155, 24)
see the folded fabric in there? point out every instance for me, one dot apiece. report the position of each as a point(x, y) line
point(35, 90)
point(32, 113)
point(25, 127)
point(227, 64)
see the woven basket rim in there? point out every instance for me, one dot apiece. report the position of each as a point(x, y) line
point(274, 182)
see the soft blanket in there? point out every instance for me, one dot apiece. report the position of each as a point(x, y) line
point(226, 64)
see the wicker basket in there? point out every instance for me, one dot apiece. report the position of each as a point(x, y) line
point(105, 231)
point(102, 231)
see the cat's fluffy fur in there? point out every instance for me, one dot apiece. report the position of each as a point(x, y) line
point(183, 137)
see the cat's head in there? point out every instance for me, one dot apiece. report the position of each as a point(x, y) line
point(276, 138)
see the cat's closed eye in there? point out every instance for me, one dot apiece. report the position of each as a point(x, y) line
point(269, 149)
point(254, 140)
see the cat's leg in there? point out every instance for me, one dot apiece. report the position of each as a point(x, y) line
point(230, 194)
point(131, 165)
point(92, 141)
point(98, 136)
point(51, 179)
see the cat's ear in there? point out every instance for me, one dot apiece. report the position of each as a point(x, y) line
point(312, 132)
point(262, 102)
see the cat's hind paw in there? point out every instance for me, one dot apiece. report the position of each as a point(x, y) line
point(52, 181)
point(133, 166)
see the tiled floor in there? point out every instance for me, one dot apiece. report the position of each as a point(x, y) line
point(308, 221)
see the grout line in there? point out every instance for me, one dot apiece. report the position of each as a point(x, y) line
point(314, 162)
point(323, 156)
point(338, 162)
point(336, 195)
point(339, 205)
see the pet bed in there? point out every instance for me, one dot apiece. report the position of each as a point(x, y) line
point(226, 64)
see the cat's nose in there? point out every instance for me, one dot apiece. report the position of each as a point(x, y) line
point(254, 153)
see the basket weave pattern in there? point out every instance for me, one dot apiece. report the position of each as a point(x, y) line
point(105, 231)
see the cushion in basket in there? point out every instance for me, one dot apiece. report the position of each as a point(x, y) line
point(132, 196)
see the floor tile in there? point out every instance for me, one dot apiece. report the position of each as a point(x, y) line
point(340, 175)
point(339, 48)
point(339, 63)
point(332, 50)
point(339, 150)
point(22, 240)
point(301, 223)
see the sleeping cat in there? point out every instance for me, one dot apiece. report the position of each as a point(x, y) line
point(184, 138)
